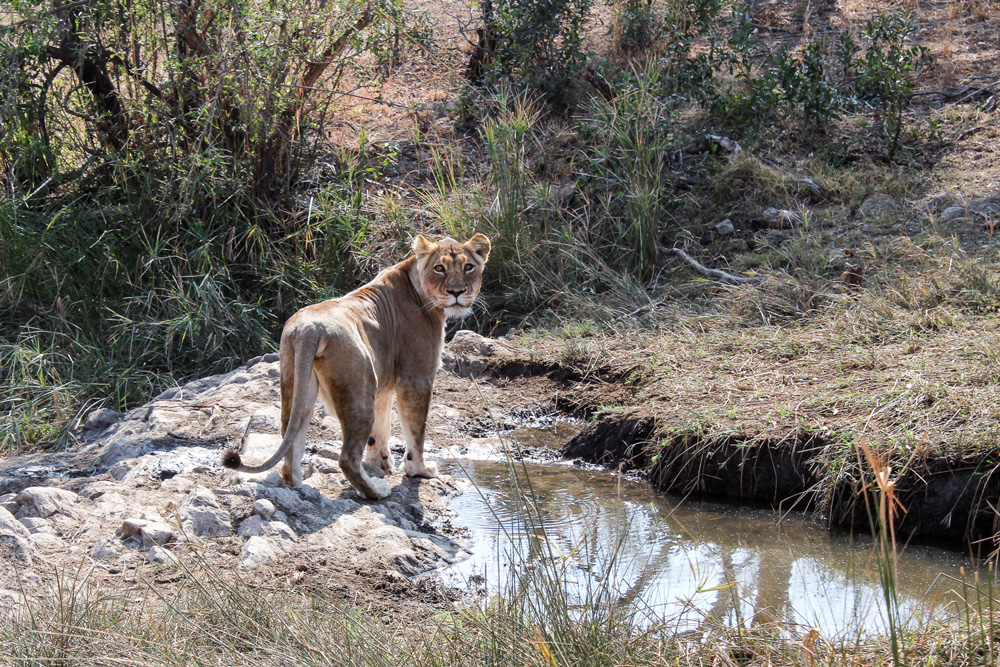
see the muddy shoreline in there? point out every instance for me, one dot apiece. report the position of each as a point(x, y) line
point(949, 498)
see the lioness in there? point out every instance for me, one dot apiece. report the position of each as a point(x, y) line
point(382, 339)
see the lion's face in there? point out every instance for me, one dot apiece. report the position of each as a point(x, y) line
point(451, 273)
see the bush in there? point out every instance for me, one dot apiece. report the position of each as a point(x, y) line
point(534, 46)
point(163, 212)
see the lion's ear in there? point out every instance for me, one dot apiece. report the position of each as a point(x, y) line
point(423, 246)
point(480, 245)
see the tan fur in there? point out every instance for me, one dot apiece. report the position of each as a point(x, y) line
point(359, 352)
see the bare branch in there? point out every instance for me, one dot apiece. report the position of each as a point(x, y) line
point(715, 274)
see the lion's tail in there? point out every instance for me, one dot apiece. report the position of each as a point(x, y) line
point(296, 356)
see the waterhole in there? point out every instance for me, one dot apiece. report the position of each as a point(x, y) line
point(682, 561)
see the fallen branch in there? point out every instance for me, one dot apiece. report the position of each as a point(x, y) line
point(715, 274)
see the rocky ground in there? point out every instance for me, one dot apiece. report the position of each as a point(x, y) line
point(142, 498)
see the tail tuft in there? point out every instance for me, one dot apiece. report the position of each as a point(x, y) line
point(231, 459)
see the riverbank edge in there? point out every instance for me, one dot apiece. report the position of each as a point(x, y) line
point(949, 496)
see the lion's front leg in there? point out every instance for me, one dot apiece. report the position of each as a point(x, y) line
point(413, 403)
point(377, 452)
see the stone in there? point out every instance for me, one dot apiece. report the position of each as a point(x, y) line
point(325, 465)
point(160, 556)
point(953, 213)
point(725, 227)
point(808, 185)
point(48, 542)
point(15, 536)
point(282, 534)
point(97, 489)
point(258, 552)
point(8, 501)
point(121, 469)
point(110, 504)
point(100, 419)
point(201, 515)
point(264, 508)
point(722, 144)
point(117, 451)
point(177, 485)
point(780, 217)
point(104, 549)
point(941, 202)
point(36, 525)
point(251, 526)
point(44, 501)
point(156, 533)
point(470, 341)
point(878, 204)
point(148, 532)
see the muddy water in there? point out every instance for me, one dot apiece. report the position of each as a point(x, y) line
point(683, 561)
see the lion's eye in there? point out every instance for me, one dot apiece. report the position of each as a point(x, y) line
point(469, 267)
point(439, 268)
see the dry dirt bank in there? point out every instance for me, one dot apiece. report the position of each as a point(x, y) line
point(141, 499)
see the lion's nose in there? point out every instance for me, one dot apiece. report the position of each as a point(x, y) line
point(456, 293)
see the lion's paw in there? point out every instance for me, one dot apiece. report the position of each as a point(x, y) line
point(420, 469)
point(381, 488)
point(381, 460)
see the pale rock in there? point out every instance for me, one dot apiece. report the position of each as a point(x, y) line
point(723, 144)
point(201, 515)
point(725, 227)
point(406, 560)
point(805, 184)
point(389, 534)
point(110, 504)
point(44, 501)
point(258, 552)
point(36, 525)
point(148, 532)
point(941, 202)
point(331, 452)
point(8, 501)
point(878, 204)
point(264, 508)
point(177, 484)
point(104, 549)
point(160, 556)
point(324, 465)
point(121, 451)
point(254, 526)
point(350, 524)
point(15, 536)
point(66, 524)
point(97, 489)
point(48, 542)
point(780, 217)
point(470, 341)
point(121, 469)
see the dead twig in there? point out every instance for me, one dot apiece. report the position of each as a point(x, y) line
point(715, 274)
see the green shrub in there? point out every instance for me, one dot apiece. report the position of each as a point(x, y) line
point(536, 46)
point(885, 76)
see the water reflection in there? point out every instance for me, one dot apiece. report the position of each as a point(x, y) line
point(689, 560)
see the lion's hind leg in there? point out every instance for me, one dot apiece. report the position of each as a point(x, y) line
point(354, 406)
